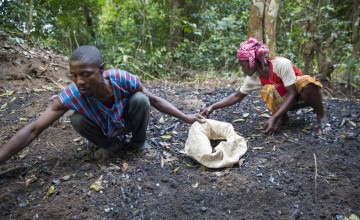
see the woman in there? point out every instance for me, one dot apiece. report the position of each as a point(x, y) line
point(281, 85)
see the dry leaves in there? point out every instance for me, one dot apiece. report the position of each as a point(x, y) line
point(96, 186)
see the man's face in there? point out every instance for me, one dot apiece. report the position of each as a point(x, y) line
point(87, 78)
point(246, 67)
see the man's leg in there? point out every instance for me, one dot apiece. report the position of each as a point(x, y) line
point(89, 130)
point(311, 94)
point(137, 118)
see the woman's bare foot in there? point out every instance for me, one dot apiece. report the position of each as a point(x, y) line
point(324, 126)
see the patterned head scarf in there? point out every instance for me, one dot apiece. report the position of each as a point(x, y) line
point(252, 49)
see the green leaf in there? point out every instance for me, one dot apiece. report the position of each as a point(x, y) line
point(49, 192)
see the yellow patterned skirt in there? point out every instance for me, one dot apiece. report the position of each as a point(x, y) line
point(272, 98)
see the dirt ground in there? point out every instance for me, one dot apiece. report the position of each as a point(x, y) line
point(293, 174)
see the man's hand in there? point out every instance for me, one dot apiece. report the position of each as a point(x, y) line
point(193, 118)
point(207, 111)
point(270, 126)
point(27, 134)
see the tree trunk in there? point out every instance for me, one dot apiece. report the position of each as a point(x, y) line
point(271, 13)
point(325, 65)
point(256, 20)
point(262, 22)
point(308, 48)
point(355, 54)
point(89, 21)
point(175, 32)
point(29, 23)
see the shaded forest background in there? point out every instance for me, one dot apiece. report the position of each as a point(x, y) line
point(167, 38)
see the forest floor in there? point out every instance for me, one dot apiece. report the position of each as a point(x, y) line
point(293, 174)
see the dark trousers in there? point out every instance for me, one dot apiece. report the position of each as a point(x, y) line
point(136, 118)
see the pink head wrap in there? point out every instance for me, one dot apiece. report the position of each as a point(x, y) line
point(252, 49)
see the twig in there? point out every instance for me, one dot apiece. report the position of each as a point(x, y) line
point(315, 177)
point(77, 44)
point(57, 84)
point(58, 65)
point(12, 170)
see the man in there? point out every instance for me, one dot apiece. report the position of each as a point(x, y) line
point(108, 104)
point(280, 83)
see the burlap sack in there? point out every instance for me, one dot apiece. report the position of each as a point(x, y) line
point(226, 154)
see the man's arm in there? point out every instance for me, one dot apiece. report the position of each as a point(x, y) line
point(166, 107)
point(226, 102)
point(27, 134)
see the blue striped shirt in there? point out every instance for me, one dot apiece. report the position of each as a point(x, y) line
point(110, 120)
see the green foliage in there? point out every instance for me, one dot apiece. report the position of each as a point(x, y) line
point(333, 22)
point(136, 35)
point(213, 35)
point(13, 15)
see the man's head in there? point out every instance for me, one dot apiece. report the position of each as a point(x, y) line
point(86, 67)
point(251, 51)
point(87, 54)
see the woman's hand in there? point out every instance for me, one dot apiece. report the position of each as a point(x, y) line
point(270, 126)
point(207, 111)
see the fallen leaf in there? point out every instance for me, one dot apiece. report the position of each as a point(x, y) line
point(10, 93)
point(30, 179)
point(342, 122)
point(161, 120)
point(166, 136)
point(4, 106)
point(307, 127)
point(254, 135)
point(195, 185)
point(176, 169)
point(352, 123)
point(49, 192)
point(352, 217)
point(39, 90)
point(265, 115)
point(124, 166)
point(257, 148)
point(32, 103)
point(245, 115)
point(164, 144)
point(170, 159)
point(23, 119)
point(238, 120)
point(166, 154)
point(162, 162)
point(274, 148)
point(49, 88)
point(77, 139)
point(96, 186)
point(66, 178)
point(23, 153)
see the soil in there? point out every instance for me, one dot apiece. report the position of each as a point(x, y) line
point(293, 174)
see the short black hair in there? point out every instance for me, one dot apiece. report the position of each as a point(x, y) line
point(88, 54)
